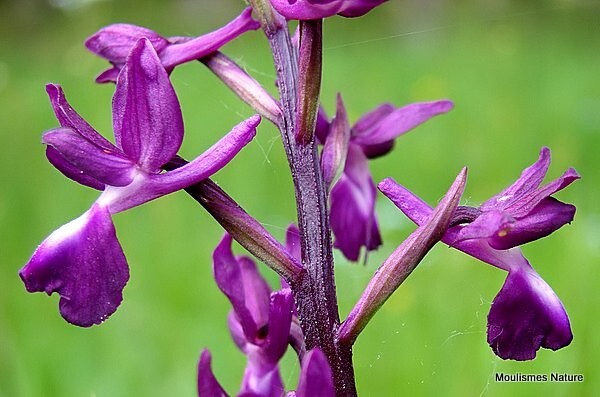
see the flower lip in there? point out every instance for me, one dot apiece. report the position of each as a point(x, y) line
point(84, 263)
point(526, 315)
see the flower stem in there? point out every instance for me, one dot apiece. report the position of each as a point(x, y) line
point(315, 292)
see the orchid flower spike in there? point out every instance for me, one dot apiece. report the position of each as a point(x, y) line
point(526, 314)
point(83, 261)
point(353, 219)
point(114, 42)
point(318, 9)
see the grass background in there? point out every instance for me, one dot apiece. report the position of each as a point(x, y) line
point(522, 75)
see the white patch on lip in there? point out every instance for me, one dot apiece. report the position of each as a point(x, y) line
point(504, 198)
point(68, 230)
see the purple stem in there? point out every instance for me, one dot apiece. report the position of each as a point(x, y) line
point(315, 292)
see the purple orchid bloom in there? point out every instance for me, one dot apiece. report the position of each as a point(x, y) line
point(526, 314)
point(259, 322)
point(352, 215)
point(318, 9)
point(83, 261)
point(315, 378)
point(115, 41)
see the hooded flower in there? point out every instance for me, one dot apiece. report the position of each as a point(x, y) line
point(318, 9)
point(259, 322)
point(526, 314)
point(83, 261)
point(352, 213)
point(316, 378)
point(115, 41)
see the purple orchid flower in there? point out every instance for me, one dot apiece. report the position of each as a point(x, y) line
point(259, 322)
point(352, 215)
point(318, 9)
point(83, 261)
point(115, 41)
point(315, 378)
point(526, 314)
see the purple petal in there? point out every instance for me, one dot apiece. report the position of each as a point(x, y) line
point(526, 315)
point(409, 203)
point(245, 288)
point(146, 116)
point(293, 243)
point(307, 9)
point(527, 202)
point(487, 225)
point(208, 385)
point(204, 45)
point(529, 180)
point(371, 119)
point(335, 150)
point(280, 320)
point(212, 160)
point(352, 215)
point(316, 378)
point(357, 8)
point(83, 262)
point(399, 122)
point(114, 42)
point(108, 167)
point(322, 126)
point(67, 117)
point(110, 75)
point(70, 171)
point(548, 216)
point(419, 212)
point(157, 185)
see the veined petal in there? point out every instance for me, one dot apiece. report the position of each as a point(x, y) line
point(68, 117)
point(114, 42)
point(352, 213)
point(548, 216)
point(307, 9)
point(530, 179)
point(83, 262)
point(527, 202)
point(147, 118)
point(208, 385)
point(70, 171)
point(400, 121)
point(204, 45)
point(316, 378)
point(526, 315)
point(108, 167)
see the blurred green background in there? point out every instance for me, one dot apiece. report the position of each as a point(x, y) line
point(523, 74)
